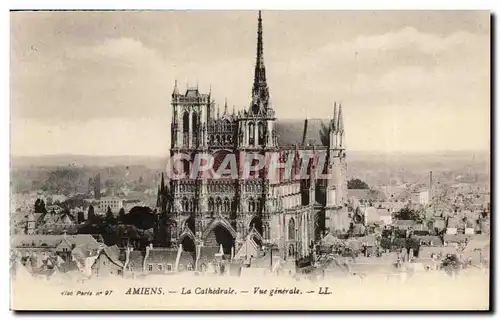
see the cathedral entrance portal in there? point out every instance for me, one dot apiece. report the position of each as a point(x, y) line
point(190, 224)
point(223, 237)
point(188, 244)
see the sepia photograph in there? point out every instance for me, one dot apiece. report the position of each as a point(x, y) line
point(250, 160)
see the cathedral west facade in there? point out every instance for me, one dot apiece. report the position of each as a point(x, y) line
point(289, 212)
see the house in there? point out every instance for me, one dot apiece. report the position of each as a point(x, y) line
point(432, 241)
point(108, 263)
point(160, 260)
point(269, 262)
point(377, 215)
point(114, 203)
point(439, 224)
point(134, 263)
point(405, 224)
point(206, 258)
point(454, 222)
point(456, 238)
point(354, 244)
point(385, 216)
point(424, 264)
point(45, 246)
point(373, 269)
point(470, 231)
point(250, 247)
point(436, 253)
point(28, 244)
point(484, 226)
point(369, 245)
point(477, 250)
point(186, 262)
point(451, 231)
point(420, 227)
point(334, 267)
point(358, 229)
point(84, 258)
point(424, 197)
point(360, 196)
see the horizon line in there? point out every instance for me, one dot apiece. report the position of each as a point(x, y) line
point(167, 155)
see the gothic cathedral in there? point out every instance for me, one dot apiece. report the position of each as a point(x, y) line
point(289, 213)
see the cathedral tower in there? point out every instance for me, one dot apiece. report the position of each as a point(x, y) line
point(336, 187)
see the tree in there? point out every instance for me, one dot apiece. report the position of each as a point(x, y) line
point(121, 215)
point(40, 206)
point(91, 217)
point(80, 217)
point(451, 264)
point(37, 206)
point(110, 219)
point(109, 213)
point(141, 217)
point(407, 214)
point(357, 184)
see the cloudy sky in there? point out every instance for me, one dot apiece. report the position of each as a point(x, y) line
point(100, 82)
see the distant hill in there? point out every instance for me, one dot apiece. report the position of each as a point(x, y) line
point(66, 160)
point(72, 172)
point(157, 162)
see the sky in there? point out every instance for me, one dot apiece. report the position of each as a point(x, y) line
point(99, 83)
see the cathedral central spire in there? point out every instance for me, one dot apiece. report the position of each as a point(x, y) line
point(260, 91)
point(259, 65)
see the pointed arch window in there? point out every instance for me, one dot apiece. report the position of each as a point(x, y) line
point(218, 204)
point(251, 205)
point(261, 132)
point(185, 167)
point(258, 204)
point(185, 122)
point(194, 122)
point(291, 229)
point(211, 204)
point(227, 206)
point(191, 205)
point(251, 133)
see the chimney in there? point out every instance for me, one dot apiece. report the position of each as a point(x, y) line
point(146, 256)
point(127, 257)
point(178, 257)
